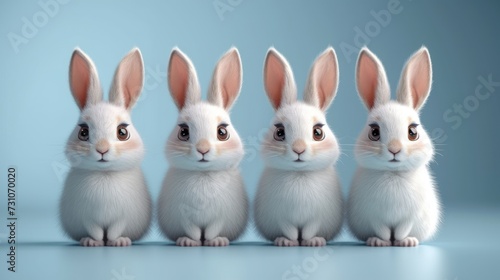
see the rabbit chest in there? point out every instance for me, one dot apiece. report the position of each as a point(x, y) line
point(300, 196)
point(103, 196)
point(395, 197)
point(204, 196)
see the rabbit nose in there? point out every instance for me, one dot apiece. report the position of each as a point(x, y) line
point(203, 146)
point(203, 152)
point(394, 147)
point(299, 146)
point(102, 147)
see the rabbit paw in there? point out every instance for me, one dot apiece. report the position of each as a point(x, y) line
point(89, 242)
point(119, 242)
point(377, 242)
point(187, 242)
point(313, 242)
point(216, 242)
point(285, 242)
point(407, 242)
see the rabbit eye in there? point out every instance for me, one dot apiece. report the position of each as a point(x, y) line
point(374, 133)
point(122, 132)
point(412, 132)
point(222, 133)
point(279, 132)
point(183, 132)
point(318, 133)
point(83, 134)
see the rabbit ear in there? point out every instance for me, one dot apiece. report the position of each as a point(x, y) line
point(128, 80)
point(226, 80)
point(83, 80)
point(323, 80)
point(278, 80)
point(416, 79)
point(371, 80)
point(182, 80)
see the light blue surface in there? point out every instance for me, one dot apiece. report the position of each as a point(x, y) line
point(466, 248)
point(37, 113)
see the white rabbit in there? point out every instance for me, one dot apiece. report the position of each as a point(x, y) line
point(105, 199)
point(299, 198)
point(203, 199)
point(393, 200)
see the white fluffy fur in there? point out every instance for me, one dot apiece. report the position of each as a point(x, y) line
point(300, 203)
point(393, 203)
point(203, 203)
point(105, 203)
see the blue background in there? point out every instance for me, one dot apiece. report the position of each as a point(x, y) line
point(37, 111)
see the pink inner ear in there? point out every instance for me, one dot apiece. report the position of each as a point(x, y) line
point(419, 80)
point(133, 83)
point(230, 75)
point(80, 79)
point(327, 80)
point(367, 79)
point(178, 79)
point(127, 97)
point(274, 79)
point(321, 97)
